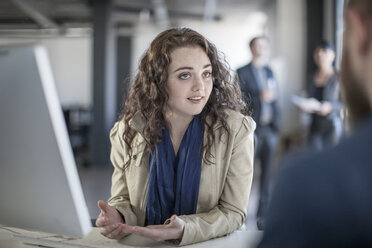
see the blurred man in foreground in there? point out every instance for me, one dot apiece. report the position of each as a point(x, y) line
point(325, 199)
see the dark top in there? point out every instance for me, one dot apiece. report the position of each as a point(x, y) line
point(330, 93)
point(318, 93)
point(325, 199)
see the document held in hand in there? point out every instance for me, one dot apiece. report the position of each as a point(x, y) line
point(309, 105)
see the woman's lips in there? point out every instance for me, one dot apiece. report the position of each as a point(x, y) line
point(195, 99)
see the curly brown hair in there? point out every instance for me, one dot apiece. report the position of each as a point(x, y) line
point(148, 94)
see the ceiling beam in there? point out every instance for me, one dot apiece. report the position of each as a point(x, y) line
point(35, 15)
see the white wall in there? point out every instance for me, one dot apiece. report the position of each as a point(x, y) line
point(231, 36)
point(71, 62)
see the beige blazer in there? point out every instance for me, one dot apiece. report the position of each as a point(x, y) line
point(224, 188)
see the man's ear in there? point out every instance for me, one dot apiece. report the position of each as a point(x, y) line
point(360, 29)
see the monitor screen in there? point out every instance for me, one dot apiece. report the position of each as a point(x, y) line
point(39, 184)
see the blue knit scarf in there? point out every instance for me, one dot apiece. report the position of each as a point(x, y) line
point(174, 181)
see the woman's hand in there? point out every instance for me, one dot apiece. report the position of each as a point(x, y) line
point(325, 109)
point(171, 229)
point(110, 222)
point(111, 226)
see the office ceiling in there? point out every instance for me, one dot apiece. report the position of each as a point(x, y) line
point(24, 16)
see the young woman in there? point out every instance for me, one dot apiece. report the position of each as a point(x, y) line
point(326, 124)
point(182, 152)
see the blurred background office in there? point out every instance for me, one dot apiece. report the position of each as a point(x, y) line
point(95, 45)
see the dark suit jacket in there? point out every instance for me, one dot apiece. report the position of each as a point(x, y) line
point(325, 199)
point(251, 94)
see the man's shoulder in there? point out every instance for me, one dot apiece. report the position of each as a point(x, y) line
point(244, 68)
point(319, 192)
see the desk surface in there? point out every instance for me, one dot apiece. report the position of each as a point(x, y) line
point(10, 238)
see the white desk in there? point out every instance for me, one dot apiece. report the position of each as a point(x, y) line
point(10, 238)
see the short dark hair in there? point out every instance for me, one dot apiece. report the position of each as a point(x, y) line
point(325, 44)
point(251, 43)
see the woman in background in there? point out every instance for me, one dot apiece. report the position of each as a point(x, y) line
point(326, 124)
point(182, 151)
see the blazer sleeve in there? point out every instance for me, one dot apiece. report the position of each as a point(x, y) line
point(119, 188)
point(230, 213)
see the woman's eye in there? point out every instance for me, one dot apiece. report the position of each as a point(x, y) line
point(207, 74)
point(184, 76)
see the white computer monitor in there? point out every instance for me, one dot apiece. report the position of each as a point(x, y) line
point(39, 184)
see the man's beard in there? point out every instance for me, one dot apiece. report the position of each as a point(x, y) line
point(353, 92)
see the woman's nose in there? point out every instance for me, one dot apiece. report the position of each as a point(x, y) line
point(198, 84)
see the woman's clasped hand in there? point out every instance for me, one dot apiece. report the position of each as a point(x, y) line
point(112, 226)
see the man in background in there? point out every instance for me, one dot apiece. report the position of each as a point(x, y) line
point(260, 92)
point(325, 199)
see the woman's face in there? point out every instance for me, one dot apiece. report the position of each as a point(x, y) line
point(189, 82)
point(324, 57)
